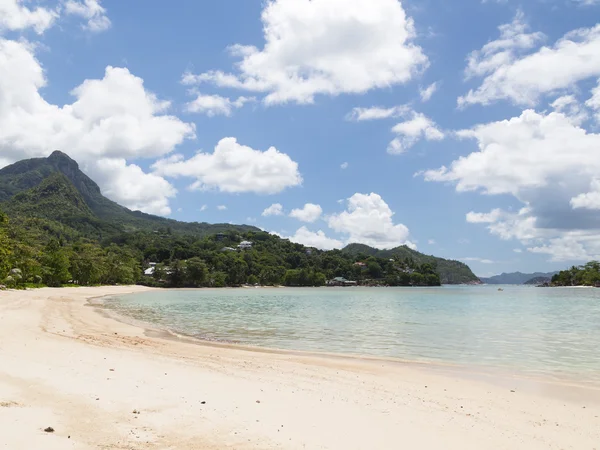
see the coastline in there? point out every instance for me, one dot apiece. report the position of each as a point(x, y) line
point(57, 355)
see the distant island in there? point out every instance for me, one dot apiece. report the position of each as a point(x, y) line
point(57, 228)
point(517, 278)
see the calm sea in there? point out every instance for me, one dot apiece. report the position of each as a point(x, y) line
point(552, 332)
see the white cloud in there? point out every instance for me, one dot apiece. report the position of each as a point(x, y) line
point(431, 241)
point(276, 209)
point(517, 250)
point(129, 186)
point(222, 208)
point(324, 47)
point(594, 102)
point(235, 168)
point(203, 208)
point(92, 11)
point(16, 16)
point(377, 113)
point(314, 239)
point(412, 131)
point(215, 105)
point(550, 164)
point(523, 78)
point(427, 93)
point(588, 200)
point(309, 213)
point(344, 166)
point(111, 118)
point(479, 260)
point(369, 220)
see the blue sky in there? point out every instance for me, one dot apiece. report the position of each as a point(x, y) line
point(215, 111)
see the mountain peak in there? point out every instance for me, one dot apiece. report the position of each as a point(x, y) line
point(58, 157)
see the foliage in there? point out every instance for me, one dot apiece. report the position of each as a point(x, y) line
point(450, 271)
point(59, 230)
point(587, 275)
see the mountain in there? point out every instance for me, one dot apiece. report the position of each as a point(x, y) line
point(451, 272)
point(516, 277)
point(58, 179)
point(536, 281)
point(59, 228)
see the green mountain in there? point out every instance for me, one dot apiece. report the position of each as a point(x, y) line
point(56, 227)
point(450, 271)
point(20, 185)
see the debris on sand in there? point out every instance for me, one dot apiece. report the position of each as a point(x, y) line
point(49, 430)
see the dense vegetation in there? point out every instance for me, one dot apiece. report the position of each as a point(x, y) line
point(57, 228)
point(450, 271)
point(587, 275)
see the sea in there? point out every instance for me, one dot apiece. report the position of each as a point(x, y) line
point(541, 332)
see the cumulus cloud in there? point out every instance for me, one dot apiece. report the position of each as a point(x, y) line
point(427, 92)
point(128, 185)
point(15, 15)
point(234, 168)
point(92, 11)
point(550, 164)
point(344, 166)
point(276, 209)
point(222, 208)
point(594, 102)
point(588, 200)
point(326, 47)
point(418, 127)
point(511, 73)
point(111, 118)
point(215, 105)
point(316, 239)
point(377, 113)
point(369, 220)
point(309, 213)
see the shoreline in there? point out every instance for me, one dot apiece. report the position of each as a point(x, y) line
point(67, 366)
point(495, 375)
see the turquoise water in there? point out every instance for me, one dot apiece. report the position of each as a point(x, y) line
point(553, 332)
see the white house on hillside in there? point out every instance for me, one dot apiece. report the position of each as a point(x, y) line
point(245, 245)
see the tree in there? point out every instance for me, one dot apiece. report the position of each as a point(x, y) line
point(196, 272)
point(56, 264)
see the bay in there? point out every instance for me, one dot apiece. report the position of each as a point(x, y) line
point(549, 332)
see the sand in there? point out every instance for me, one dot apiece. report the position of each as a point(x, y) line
point(104, 384)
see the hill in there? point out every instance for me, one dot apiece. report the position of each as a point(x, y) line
point(536, 281)
point(31, 173)
point(516, 277)
point(450, 271)
point(59, 228)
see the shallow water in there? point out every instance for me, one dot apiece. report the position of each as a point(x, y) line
point(550, 332)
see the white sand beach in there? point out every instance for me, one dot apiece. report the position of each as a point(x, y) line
point(103, 384)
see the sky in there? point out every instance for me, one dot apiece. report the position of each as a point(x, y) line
point(468, 129)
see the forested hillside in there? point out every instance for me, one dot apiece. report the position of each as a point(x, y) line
point(450, 271)
point(57, 228)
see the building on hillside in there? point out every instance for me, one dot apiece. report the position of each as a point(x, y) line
point(360, 264)
point(341, 281)
point(245, 245)
point(228, 249)
point(150, 270)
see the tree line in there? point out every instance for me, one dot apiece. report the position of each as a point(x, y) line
point(37, 252)
point(586, 275)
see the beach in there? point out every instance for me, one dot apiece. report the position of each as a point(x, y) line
point(100, 383)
